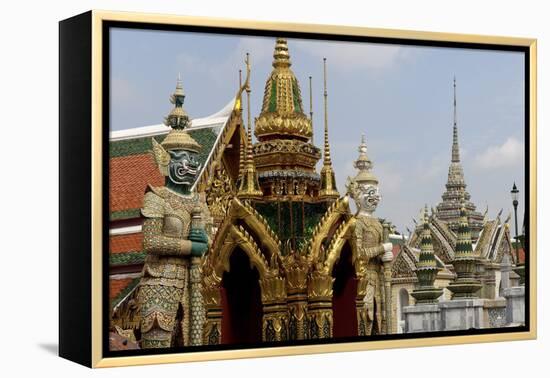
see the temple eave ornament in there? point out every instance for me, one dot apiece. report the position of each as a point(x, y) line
point(274, 124)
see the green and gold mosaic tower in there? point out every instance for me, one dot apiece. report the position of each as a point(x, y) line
point(465, 285)
point(427, 268)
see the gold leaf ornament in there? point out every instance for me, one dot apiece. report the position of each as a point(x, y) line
point(162, 158)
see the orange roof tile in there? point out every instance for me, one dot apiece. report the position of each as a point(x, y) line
point(125, 243)
point(129, 177)
point(117, 285)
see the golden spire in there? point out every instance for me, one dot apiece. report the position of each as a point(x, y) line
point(328, 181)
point(241, 144)
point(326, 158)
point(241, 159)
point(311, 109)
point(249, 187)
point(238, 96)
point(282, 112)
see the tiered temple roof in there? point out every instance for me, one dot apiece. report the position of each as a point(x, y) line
point(284, 155)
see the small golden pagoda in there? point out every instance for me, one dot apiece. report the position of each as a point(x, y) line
point(284, 155)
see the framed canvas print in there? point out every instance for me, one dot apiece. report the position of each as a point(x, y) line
point(235, 189)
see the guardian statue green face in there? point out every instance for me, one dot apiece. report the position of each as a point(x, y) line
point(183, 168)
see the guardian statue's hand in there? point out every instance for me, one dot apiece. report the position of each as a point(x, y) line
point(198, 235)
point(198, 249)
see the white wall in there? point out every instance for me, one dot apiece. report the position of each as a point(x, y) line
point(29, 181)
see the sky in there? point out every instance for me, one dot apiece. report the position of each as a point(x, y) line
point(399, 96)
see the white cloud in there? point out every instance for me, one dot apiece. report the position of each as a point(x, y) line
point(510, 153)
point(350, 56)
point(260, 50)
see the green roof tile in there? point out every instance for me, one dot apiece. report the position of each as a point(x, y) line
point(127, 258)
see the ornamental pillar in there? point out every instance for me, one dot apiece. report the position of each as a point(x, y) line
point(387, 292)
point(275, 311)
point(296, 270)
point(212, 329)
point(197, 311)
point(360, 305)
point(320, 321)
point(387, 259)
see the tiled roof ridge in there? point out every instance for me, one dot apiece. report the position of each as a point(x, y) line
point(215, 119)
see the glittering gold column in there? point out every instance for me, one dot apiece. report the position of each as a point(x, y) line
point(296, 269)
point(319, 315)
point(275, 316)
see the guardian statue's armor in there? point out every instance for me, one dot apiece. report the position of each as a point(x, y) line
point(372, 244)
point(174, 237)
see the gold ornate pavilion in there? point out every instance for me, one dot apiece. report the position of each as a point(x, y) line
point(283, 264)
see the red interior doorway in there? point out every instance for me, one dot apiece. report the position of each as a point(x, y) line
point(344, 292)
point(241, 302)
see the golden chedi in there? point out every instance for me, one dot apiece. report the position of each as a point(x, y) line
point(284, 152)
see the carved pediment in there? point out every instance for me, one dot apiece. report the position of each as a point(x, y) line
point(404, 265)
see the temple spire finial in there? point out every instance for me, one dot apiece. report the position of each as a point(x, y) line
point(249, 186)
point(178, 118)
point(327, 160)
point(281, 57)
point(179, 89)
point(328, 180)
point(456, 148)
